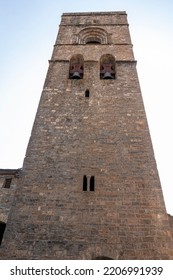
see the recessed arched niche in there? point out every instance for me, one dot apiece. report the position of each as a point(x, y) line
point(92, 35)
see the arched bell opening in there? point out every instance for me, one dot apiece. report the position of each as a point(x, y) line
point(76, 70)
point(107, 67)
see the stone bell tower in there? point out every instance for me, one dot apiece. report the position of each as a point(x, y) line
point(89, 187)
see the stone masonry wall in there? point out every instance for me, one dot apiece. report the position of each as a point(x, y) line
point(8, 181)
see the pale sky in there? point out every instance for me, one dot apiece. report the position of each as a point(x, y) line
point(28, 29)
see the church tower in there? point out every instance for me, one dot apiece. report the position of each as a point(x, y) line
point(89, 187)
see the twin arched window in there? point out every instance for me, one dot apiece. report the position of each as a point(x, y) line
point(107, 67)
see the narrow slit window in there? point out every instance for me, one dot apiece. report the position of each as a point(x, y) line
point(87, 93)
point(84, 183)
point(2, 229)
point(7, 183)
point(92, 183)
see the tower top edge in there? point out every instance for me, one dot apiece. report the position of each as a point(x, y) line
point(95, 13)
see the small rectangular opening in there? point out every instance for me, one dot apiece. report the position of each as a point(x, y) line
point(7, 183)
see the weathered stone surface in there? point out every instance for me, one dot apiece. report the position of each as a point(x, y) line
point(8, 181)
point(104, 135)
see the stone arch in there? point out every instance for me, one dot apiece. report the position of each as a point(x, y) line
point(92, 35)
point(107, 67)
point(76, 69)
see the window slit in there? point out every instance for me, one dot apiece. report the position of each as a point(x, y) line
point(87, 93)
point(92, 182)
point(84, 183)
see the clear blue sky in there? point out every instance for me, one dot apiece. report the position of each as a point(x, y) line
point(28, 30)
